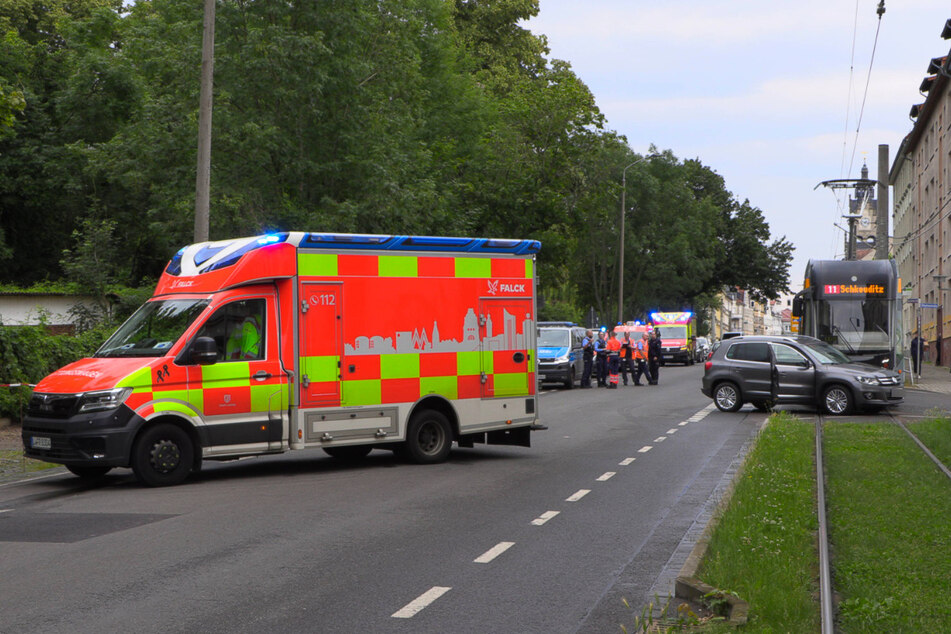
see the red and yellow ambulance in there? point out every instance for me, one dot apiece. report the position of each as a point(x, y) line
point(676, 336)
point(297, 340)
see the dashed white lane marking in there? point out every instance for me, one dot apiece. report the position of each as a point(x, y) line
point(684, 424)
point(660, 439)
point(5, 510)
point(626, 461)
point(644, 449)
point(420, 603)
point(604, 477)
point(544, 517)
point(578, 495)
point(493, 552)
point(671, 432)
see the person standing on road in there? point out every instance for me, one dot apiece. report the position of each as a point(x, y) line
point(613, 347)
point(601, 360)
point(917, 353)
point(640, 358)
point(587, 355)
point(627, 357)
point(653, 357)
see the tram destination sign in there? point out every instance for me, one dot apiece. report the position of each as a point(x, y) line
point(853, 289)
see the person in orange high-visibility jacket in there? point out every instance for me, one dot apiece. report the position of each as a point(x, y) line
point(614, 354)
point(640, 358)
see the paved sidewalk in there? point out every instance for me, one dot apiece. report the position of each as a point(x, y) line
point(933, 379)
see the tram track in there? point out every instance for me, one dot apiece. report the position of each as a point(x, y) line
point(825, 568)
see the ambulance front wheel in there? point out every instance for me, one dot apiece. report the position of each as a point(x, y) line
point(162, 456)
point(428, 439)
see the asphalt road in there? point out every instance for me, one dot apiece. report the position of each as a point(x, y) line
point(552, 538)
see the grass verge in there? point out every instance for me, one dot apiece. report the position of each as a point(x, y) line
point(13, 462)
point(888, 507)
point(763, 547)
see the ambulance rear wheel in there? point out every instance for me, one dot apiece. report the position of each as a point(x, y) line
point(428, 439)
point(162, 456)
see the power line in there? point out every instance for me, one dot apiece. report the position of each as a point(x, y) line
point(880, 11)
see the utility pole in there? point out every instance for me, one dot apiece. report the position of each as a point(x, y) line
point(881, 213)
point(203, 176)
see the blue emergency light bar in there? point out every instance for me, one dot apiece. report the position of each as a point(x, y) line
point(418, 243)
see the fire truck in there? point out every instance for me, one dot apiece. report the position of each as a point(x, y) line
point(676, 336)
point(297, 340)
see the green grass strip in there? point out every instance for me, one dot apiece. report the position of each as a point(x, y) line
point(890, 538)
point(763, 546)
point(935, 433)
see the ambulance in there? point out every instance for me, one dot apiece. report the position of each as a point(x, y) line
point(676, 336)
point(296, 340)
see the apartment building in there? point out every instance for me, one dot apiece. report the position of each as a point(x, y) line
point(921, 179)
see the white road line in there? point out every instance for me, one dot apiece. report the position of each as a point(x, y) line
point(644, 449)
point(660, 439)
point(578, 495)
point(493, 552)
point(684, 423)
point(626, 461)
point(671, 432)
point(5, 510)
point(417, 605)
point(544, 517)
point(607, 475)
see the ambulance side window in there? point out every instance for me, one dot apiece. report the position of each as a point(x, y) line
point(238, 329)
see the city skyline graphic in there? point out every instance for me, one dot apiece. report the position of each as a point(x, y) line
point(421, 341)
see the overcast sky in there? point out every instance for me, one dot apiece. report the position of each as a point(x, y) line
point(768, 94)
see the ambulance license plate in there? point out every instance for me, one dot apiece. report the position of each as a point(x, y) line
point(41, 442)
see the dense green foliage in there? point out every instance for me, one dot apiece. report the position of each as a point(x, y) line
point(27, 354)
point(439, 117)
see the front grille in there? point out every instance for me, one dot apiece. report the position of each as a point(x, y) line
point(52, 405)
point(889, 380)
point(546, 360)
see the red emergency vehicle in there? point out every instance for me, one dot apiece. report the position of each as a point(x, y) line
point(296, 340)
point(676, 336)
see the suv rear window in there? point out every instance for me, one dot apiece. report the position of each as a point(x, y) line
point(749, 352)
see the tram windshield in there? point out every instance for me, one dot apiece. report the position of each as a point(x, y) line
point(854, 325)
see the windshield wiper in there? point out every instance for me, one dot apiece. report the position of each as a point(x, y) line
point(838, 332)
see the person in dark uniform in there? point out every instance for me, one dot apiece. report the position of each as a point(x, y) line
point(653, 357)
point(587, 355)
point(601, 360)
point(627, 357)
point(917, 353)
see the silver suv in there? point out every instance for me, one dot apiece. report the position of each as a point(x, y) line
point(767, 371)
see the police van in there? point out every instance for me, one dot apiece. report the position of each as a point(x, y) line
point(560, 358)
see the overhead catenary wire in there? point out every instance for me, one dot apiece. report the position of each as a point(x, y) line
point(880, 11)
point(868, 78)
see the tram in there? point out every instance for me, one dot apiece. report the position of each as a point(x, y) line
point(855, 305)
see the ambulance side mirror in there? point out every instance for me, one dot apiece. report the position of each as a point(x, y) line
point(204, 351)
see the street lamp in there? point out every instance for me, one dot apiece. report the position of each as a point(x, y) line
point(620, 274)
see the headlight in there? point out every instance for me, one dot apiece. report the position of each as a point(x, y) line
point(104, 400)
point(563, 359)
point(867, 380)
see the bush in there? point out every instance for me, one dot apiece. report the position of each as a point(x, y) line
point(29, 353)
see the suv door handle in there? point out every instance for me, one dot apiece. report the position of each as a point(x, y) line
point(261, 375)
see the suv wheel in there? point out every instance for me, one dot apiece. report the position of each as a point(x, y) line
point(726, 396)
point(837, 400)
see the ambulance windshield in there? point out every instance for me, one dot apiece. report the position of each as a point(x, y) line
point(153, 328)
